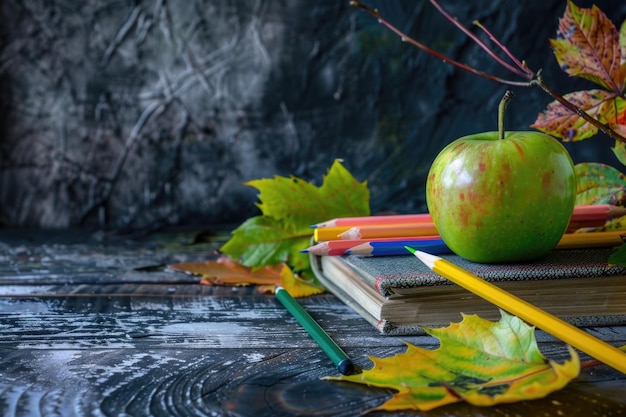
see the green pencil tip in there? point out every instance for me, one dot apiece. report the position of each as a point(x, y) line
point(410, 249)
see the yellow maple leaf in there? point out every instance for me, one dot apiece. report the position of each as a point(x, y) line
point(297, 287)
point(478, 361)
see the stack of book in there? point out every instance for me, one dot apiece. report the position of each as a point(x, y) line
point(398, 294)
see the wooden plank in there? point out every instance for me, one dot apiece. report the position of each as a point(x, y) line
point(244, 317)
point(193, 315)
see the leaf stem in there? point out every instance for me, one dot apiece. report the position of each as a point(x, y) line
point(501, 109)
point(605, 128)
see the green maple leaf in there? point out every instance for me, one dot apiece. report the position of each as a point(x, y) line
point(289, 205)
point(479, 361)
point(588, 46)
point(300, 203)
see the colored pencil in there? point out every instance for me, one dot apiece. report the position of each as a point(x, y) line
point(591, 239)
point(374, 231)
point(575, 225)
point(390, 230)
point(593, 216)
point(433, 246)
point(584, 215)
point(389, 219)
point(328, 233)
point(395, 245)
point(331, 349)
point(530, 313)
point(339, 247)
point(597, 212)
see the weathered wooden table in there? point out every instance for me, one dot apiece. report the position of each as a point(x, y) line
point(93, 324)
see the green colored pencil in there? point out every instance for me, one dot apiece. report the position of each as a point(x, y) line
point(328, 345)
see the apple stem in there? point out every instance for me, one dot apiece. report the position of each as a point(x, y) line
point(505, 100)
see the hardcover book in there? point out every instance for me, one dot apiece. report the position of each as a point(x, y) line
point(399, 294)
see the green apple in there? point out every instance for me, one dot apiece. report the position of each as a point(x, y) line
point(502, 197)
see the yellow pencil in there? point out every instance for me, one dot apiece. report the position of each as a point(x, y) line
point(537, 317)
point(591, 239)
point(328, 233)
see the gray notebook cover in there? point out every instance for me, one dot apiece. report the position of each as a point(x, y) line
point(388, 273)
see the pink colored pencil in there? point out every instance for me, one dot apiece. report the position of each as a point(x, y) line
point(373, 220)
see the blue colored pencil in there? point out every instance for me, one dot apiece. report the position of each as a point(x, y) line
point(376, 248)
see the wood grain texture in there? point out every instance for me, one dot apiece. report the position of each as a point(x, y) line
point(111, 333)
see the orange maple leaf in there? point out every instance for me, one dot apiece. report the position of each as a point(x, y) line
point(229, 272)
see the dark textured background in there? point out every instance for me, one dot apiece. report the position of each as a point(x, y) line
point(134, 114)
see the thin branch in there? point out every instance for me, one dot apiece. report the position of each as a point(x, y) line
point(521, 71)
point(606, 129)
point(522, 65)
point(408, 39)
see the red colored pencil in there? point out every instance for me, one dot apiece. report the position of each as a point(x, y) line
point(597, 212)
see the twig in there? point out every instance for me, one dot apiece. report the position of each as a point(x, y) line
point(520, 68)
point(522, 65)
point(408, 39)
point(606, 129)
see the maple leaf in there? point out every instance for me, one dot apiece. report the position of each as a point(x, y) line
point(260, 241)
point(227, 271)
point(296, 287)
point(265, 249)
point(289, 206)
point(478, 361)
point(588, 46)
point(299, 203)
